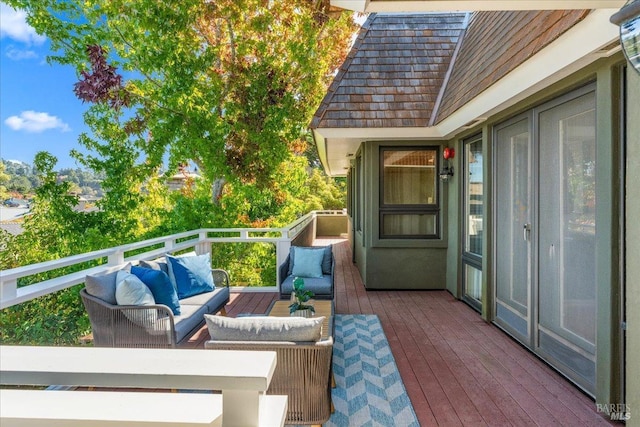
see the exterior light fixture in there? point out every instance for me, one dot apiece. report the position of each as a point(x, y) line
point(446, 173)
point(628, 18)
point(447, 170)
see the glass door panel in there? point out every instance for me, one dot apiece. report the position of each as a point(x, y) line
point(473, 283)
point(513, 229)
point(474, 196)
point(473, 223)
point(567, 234)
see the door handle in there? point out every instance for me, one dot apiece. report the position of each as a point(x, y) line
point(526, 231)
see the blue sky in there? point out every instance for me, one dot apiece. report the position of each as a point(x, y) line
point(38, 109)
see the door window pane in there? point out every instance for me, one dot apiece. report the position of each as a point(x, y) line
point(473, 283)
point(474, 194)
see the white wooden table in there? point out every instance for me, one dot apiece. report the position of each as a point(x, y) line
point(242, 376)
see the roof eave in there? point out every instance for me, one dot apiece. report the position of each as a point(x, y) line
point(572, 51)
point(371, 6)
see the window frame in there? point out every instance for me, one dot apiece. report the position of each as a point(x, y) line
point(468, 258)
point(433, 209)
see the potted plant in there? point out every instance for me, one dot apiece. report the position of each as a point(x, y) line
point(300, 296)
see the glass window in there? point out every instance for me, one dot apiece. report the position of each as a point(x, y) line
point(473, 284)
point(473, 220)
point(409, 177)
point(358, 193)
point(473, 197)
point(409, 192)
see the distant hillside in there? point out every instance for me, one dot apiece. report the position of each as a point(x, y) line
point(23, 180)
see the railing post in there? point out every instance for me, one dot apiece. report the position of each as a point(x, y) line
point(116, 258)
point(8, 289)
point(240, 408)
point(282, 250)
point(314, 228)
point(203, 246)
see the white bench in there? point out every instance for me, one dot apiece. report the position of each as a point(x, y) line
point(242, 376)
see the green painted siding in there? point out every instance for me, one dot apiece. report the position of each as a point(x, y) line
point(607, 216)
point(453, 212)
point(633, 247)
point(400, 263)
point(436, 264)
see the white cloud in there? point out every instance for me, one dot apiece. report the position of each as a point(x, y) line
point(20, 54)
point(35, 122)
point(13, 24)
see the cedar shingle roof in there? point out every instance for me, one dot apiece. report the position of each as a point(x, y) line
point(394, 72)
point(397, 67)
point(494, 44)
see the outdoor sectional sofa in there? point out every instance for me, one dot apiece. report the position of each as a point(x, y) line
point(151, 325)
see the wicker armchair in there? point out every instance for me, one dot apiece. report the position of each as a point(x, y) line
point(154, 325)
point(303, 373)
point(322, 288)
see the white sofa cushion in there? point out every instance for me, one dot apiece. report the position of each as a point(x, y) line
point(264, 328)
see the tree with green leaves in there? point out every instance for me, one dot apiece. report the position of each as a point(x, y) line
point(229, 85)
point(4, 180)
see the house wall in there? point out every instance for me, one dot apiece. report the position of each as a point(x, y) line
point(399, 263)
point(632, 235)
point(436, 264)
point(607, 76)
point(452, 187)
point(608, 220)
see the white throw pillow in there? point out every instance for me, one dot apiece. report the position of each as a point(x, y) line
point(132, 291)
point(260, 328)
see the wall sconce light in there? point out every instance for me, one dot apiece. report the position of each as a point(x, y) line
point(446, 173)
point(628, 18)
point(447, 170)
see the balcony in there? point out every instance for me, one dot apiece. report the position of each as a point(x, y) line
point(457, 369)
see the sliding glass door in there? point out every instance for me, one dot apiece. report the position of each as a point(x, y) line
point(545, 232)
point(567, 236)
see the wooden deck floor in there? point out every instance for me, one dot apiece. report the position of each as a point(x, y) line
point(457, 369)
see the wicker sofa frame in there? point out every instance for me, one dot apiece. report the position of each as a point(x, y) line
point(155, 326)
point(303, 373)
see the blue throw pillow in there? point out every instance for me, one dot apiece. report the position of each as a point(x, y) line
point(157, 264)
point(192, 274)
point(160, 285)
point(307, 262)
point(327, 259)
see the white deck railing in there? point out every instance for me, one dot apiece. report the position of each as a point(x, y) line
point(243, 377)
point(202, 239)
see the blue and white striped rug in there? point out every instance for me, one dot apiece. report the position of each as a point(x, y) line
point(369, 390)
